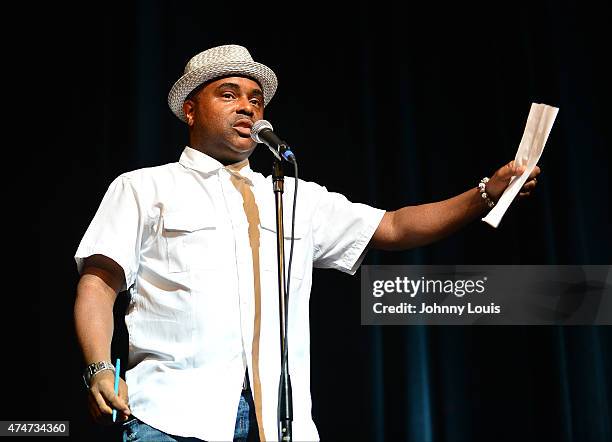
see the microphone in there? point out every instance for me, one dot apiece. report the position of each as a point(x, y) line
point(261, 132)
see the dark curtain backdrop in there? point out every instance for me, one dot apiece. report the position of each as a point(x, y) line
point(390, 105)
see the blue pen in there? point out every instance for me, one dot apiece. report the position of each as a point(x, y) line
point(117, 370)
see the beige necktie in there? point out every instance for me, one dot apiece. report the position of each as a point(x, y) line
point(252, 215)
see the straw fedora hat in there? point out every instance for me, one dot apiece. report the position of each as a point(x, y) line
point(220, 61)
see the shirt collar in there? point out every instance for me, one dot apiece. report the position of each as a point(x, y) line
point(194, 159)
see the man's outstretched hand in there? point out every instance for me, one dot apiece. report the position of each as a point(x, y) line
point(500, 180)
point(102, 398)
point(415, 226)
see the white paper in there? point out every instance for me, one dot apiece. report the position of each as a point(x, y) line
point(539, 123)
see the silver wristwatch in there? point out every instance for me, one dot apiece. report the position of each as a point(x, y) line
point(94, 368)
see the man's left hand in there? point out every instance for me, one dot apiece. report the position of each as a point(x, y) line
point(500, 180)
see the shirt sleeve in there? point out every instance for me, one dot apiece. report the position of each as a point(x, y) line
point(341, 231)
point(115, 230)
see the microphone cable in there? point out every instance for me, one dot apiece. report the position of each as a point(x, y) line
point(295, 190)
point(285, 355)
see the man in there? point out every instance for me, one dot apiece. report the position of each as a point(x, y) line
point(195, 244)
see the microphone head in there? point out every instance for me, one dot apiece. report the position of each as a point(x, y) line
point(257, 127)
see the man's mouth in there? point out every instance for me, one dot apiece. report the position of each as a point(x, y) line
point(243, 127)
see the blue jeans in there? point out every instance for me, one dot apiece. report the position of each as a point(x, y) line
point(246, 430)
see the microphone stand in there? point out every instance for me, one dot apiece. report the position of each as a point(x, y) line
point(285, 403)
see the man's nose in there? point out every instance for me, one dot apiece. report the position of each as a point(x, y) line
point(245, 107)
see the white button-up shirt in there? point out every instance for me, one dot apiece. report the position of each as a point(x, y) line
point(180, 233)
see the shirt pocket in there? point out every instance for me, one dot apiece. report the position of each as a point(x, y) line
point(269, 253)
point(191, 241)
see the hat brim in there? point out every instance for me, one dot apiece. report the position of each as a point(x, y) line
point(191, 80)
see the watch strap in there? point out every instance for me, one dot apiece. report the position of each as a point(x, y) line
point(92, 369)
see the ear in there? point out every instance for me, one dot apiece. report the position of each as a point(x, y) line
point(189, 110)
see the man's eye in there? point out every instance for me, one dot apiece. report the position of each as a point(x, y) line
point(255, 102)
point(227, 95)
